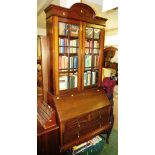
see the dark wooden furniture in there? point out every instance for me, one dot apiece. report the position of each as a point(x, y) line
point(109, 53)
point(76, 41)
point(83, 116)
point(47, 140)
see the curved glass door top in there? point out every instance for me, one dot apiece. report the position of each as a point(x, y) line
point(68, 55)
point(92, 48)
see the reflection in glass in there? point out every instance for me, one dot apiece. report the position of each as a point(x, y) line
point(97, 33)
point(89, 32)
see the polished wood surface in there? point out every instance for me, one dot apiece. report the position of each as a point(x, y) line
point(85, 138)
point(56, 14)
point(69, 106)
point(82, 116)
point(101, 57)
point(55, 55)
point(78, 11)
point(44, 66)
point(81, 113)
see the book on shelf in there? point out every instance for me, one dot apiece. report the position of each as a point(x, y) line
point(88, 60)
point(96, 61)
point(90, 78)
point(62, 50)
point(73, 50)
point(93, 77)
point(75, 61)
point(63, 42)
point(63, 62)
point(71, 62)
point(87, 77)
point(74, 42)
point(73, 80)
point(63, 82)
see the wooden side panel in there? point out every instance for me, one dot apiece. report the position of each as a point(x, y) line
point(48, 142)
point(83, 54)
point(49, 55)
point(101, 57)
point(80, 58)
point(44, 66)
point(55, 55)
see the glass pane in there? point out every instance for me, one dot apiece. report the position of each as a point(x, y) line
point(63, 82)
point(96, 44)
point(97, 33)
point(96, 51)
point(74, 30)
point(89, 32)
point(63, 29)
point(68, 55)
point(87, 50)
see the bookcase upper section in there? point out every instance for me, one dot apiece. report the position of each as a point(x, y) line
point(78, 11)
point(76, 43)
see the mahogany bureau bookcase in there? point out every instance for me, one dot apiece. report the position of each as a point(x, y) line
point(75, 58)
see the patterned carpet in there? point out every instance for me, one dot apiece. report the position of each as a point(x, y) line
point(112, 147)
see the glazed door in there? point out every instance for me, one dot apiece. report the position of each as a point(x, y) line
point(92, 55)
point(69, 55)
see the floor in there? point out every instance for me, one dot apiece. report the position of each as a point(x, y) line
point(112, 147)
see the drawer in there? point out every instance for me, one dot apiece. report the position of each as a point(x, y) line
point(75, 123)
point(83, 121)
point(95, 116)
point(105, 111)
point(72, 124)
point(71, 135)
point(93, 125)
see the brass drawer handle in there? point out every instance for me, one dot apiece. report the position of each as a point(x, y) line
point(78, 123)
point(78, 135)
point(64, 13)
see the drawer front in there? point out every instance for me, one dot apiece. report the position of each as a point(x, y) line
point(71, 124)
point(95, 116)
point(80, 122)
point(71, 136)
point(77, 127)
